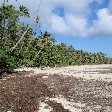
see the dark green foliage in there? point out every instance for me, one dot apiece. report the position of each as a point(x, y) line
point(23, 10)
point(37, 52)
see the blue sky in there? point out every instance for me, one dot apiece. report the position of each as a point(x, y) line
point(85, 24)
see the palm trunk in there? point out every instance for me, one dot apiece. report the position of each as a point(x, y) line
point(34, 58)
point(20, 38)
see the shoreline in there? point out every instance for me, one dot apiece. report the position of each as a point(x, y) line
point(89, 72)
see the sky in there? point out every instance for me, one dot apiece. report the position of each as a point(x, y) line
point(85, 24)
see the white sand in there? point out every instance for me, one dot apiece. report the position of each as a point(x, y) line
point(88, 72)
point(44, 107)
point(84, 71)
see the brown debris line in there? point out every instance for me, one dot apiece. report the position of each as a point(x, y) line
point(22, 93)
point(88, 92)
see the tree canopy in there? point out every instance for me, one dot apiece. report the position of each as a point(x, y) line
point(38, 51)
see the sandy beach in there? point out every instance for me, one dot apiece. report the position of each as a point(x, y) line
point(95, 72)
point(86, 88)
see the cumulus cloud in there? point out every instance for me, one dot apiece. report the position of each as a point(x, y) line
point(102, 27)
point(74, 22)
point(58, 24)
point(76, 25)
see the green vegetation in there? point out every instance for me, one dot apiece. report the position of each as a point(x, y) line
point(36, 52)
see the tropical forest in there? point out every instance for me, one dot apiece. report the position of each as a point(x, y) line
point(19, 47)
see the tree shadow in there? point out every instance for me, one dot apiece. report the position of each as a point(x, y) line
point(4, 69)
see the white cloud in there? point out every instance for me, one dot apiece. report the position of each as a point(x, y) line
point(74, 22)
point(58, 24)
point(69, 25)
point(102, 27)
point(76, 25)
